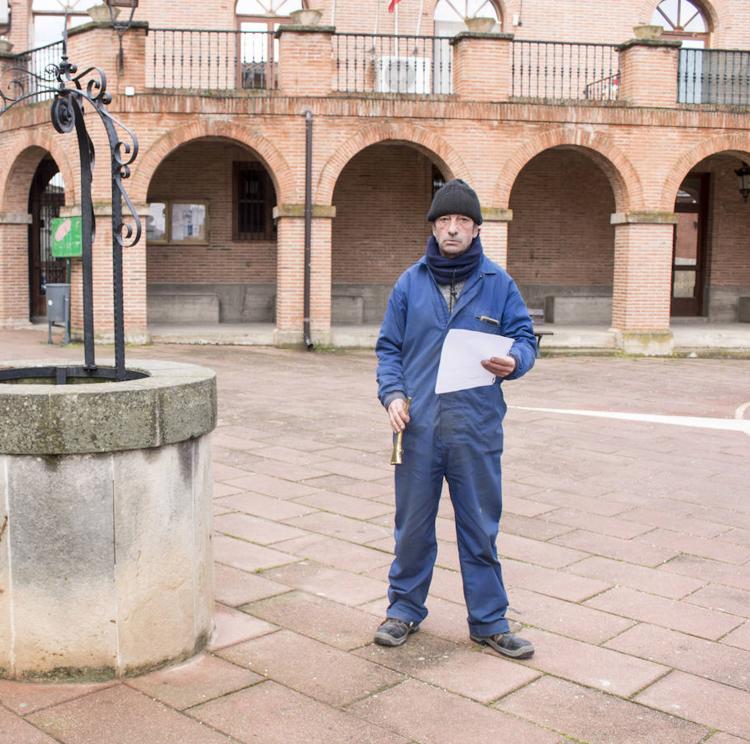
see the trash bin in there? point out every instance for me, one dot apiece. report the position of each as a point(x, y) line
point(58, 309)
point(58, 302)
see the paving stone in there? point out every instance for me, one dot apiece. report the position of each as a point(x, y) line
point(716, 548)
point(268, 507)
point(336, 525)
point(427, 715)
point(565, 618)
point(524, 507)
point(700, 700)
point(247, 556)
point(612, 526)
point(636, 577)
point(353, 469)
point(270, 486)
point(669, 518)
point(730, 666)
point(234, 587)
point(595, 717)
point(222, 489)
point(254, 529)
point(574, 500)
point(721, 738)
point(592, 666)
point(26, 697)
point(739, 637)
point(290, 455)
point(220, 439)
point(536, 529)
point(459, 669)
point(642, 553)
point(737, 537)
point(310, 667)
point(368, 490)
point(296, 718)
point(287, 471)
point(337, 553)
point(349, 506)
point(536, 552)
point(232, 626)
point(721, 573)
point(673, 614)
point(223, 473)
point(121, 715)
point(332, 623)
point(195, 681)
point(340, 586)
point(14, 730)
point(554, 583)
point(724, 598)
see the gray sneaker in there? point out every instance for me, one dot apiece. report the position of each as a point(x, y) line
point(507, 644)
point(394, 632)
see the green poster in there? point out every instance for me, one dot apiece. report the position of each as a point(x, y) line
point(66, 237)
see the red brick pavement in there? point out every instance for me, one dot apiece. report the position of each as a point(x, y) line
point(626, 552)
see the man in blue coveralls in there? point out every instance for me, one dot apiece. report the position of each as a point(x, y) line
point(457, 436)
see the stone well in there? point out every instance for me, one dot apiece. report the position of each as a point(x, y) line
point(105, 527)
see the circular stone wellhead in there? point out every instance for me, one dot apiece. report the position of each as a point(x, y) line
point(105, 522)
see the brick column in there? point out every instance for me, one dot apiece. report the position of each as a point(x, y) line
point(134, 283)
point(306, 66)
point(290, 274)
point(473, 55)
point(648, 72)
point(495, 233)
point(96, 44)
point(642, 285)
point(14, 259)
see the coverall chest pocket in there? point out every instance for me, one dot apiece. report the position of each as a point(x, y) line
point(485, 321)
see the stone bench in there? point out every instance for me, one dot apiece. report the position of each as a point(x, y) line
point(578, 309)
point(184, 307)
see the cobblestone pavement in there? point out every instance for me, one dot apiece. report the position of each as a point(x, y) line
point(625, 547)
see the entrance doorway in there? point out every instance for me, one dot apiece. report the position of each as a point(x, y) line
point(46, 197)
point(689, 245)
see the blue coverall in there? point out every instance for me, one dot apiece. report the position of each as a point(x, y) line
point(457, 436)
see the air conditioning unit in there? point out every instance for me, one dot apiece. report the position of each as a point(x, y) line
point(403, 75)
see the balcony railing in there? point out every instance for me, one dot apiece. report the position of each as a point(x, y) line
point(717, 76)
point(26, 72)
point(379, 63)
point(562, 71)
point(211, 60)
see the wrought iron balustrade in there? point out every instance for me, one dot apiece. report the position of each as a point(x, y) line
point(29, 70)
point(718, 76)
point(382, 63)
point(565, 71)
point(211, 60)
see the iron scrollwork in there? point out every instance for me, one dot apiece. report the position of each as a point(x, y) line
point(69, 90)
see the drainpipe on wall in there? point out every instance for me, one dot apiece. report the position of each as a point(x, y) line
point(308, 229)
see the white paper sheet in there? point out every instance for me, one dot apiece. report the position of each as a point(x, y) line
point(460, 360)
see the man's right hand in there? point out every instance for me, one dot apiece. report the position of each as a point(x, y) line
point(398, 414)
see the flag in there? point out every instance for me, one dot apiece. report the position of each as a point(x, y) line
point(392, 5)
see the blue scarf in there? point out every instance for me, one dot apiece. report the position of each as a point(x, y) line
point(453, 270)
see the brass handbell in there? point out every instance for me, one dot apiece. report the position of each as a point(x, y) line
point(397, 456)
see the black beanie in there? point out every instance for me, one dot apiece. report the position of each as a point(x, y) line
point(455, 197)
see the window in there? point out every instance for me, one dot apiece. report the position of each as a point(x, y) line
point(177, 222)
point(253, 203)
point(49, 18)
point(682, 19)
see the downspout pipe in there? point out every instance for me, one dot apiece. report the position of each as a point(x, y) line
point(308, 229)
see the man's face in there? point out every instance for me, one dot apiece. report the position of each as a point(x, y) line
point(454, 233)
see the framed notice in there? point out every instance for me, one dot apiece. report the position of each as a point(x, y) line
point(66, 237)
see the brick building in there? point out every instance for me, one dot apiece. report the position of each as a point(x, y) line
point(605, 160)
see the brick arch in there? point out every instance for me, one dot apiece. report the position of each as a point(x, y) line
point(434, 147)
point(626, 185)
point(735, 142)
point(26, 152)
point(146, 164)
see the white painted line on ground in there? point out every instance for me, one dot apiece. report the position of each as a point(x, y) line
point(695, 422)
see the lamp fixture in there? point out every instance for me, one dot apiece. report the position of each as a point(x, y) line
point(743, 174)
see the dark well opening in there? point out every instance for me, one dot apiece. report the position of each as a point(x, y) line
point(66, 375)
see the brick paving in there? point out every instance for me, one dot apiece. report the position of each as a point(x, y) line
point(626, 553)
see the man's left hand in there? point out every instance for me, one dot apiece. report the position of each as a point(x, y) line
point(500, 366)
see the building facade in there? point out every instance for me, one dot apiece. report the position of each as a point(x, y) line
point(603, 139)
